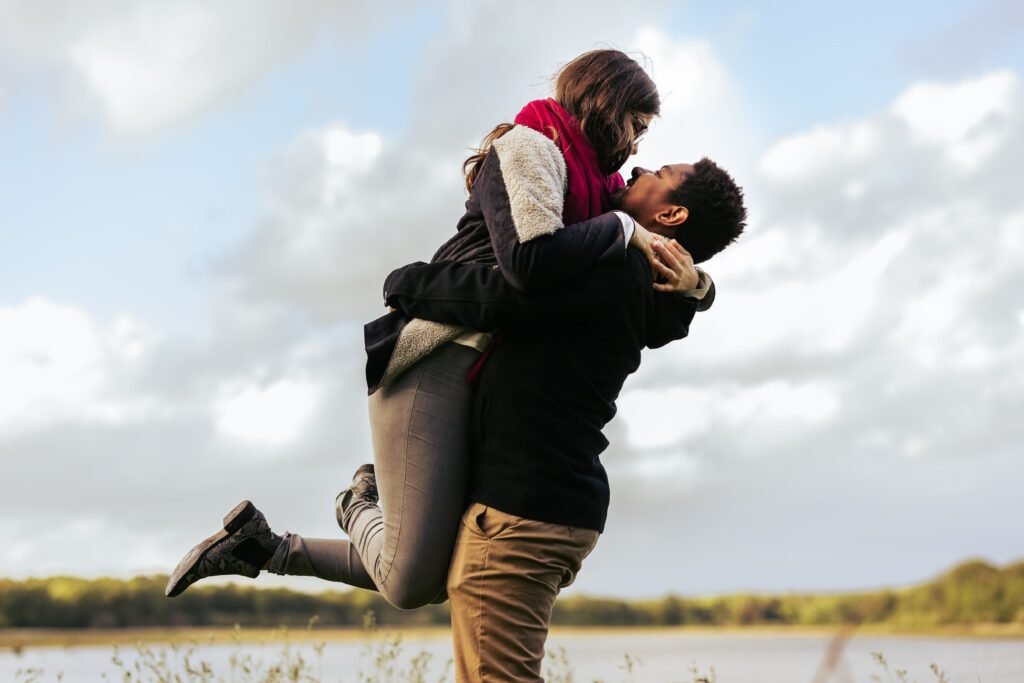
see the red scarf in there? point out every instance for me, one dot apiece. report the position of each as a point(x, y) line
point(587, 188)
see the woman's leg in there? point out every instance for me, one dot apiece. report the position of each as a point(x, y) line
point(325, 558)
point(420, 426)
point(420, 429)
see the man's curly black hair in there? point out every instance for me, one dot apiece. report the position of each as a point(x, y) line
point(716, 212)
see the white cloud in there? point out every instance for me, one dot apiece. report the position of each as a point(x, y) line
point(809, 300)
point(932, 317)
point(347, 206)
point(1011, 234)
point(964, 122)
point(844, 299)
point(779, 401)
point(965, 117)
point(679, 468)
point(660, 418)
point(265, 415)
point(129, 338)
point(348, 156)
point(942, 112)
point(56, 363)
point(701, 112)
point(691, 80)
point(804, 155)
point(152, 65)
point(145, 65)
point(866, 232)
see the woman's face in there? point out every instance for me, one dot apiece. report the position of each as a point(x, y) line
point(636, 126)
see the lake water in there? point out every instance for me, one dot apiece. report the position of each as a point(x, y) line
point(656, 656)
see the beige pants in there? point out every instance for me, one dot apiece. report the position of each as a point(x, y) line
point(505, 575)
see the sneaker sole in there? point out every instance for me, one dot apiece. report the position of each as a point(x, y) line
point(233, 521)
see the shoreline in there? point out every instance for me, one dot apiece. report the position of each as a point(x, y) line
point(18, 640)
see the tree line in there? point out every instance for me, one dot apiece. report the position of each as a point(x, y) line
point(971, 593)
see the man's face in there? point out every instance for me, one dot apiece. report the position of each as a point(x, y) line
point(646, 195)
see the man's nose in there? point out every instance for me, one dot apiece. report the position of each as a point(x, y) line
point(638, 171)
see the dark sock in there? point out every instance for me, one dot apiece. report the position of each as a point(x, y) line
point(255, 553)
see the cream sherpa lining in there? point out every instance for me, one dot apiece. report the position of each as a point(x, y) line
point(533, 169)
point(416, 341)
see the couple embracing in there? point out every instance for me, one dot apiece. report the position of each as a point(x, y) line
point(492, 376)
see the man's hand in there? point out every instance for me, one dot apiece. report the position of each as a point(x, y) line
point(674, 264)
point(668, 259)
point(643, 239)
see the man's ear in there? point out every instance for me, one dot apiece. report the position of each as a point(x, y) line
point(673, 216)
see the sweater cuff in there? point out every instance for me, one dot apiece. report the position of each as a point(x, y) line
point(628, 226)
point(703, 285)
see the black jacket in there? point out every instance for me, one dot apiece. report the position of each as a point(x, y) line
point(550, 386)
point(532, 249)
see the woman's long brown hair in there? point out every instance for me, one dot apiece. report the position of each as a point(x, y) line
point(471, 166)
point(601, 89)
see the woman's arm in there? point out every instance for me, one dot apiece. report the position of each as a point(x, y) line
point(520, 189)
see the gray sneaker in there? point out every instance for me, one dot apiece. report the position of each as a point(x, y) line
point(363, 491)
point(241, 548)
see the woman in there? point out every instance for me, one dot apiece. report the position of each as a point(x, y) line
point(557, 165)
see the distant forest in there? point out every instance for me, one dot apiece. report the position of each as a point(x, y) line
point(974, 592)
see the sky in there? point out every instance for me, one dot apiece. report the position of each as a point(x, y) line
point(199, 203)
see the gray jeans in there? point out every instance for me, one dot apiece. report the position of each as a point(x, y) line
point(420, 428)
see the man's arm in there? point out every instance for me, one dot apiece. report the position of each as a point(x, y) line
point(479, 297)
point(669, 318)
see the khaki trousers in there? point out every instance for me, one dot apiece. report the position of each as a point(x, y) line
point(506, 572)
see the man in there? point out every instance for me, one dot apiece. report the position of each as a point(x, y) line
point(539, 494)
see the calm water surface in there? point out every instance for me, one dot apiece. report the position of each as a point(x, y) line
point(657, 656)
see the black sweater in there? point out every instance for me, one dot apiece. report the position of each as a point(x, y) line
point(550, 385)
point(488, 235)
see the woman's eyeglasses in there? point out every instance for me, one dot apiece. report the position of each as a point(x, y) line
point(639, 129)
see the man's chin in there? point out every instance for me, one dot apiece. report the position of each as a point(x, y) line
point(616, 198)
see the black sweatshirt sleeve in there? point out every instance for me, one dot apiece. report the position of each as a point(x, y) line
point(479, 297)
point(547, 260)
